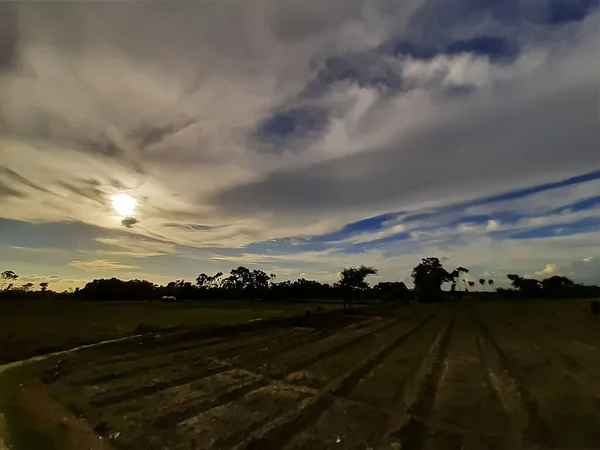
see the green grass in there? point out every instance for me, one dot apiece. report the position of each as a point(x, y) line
point(35, 327)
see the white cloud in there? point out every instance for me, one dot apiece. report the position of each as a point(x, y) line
point(139, 248)
point(101, 265)
point(162, 103)
point(548, 271)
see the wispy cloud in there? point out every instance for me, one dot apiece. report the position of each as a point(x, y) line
point(289, 134)
point(101, 265)
point(139, 248)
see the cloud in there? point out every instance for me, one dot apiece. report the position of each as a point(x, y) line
point(129, 222)
point(139, 248)
point(7, 191)
point(549, 270)
point(101, 265)
point(280, 126)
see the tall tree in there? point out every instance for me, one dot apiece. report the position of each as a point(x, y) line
point(482, 282)
point(428, 278)
point(44, 286)
point(8, 275)
point(491, 282)
point(528, 287)
point(557, 286)
point(354, 279)
point(27, 287)
point(461, 271)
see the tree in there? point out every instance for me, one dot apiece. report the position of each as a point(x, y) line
point(247, 281)
point(8, 275)
point(44, 286)
point(557, 286)
point(353, 279)
point(527, 287)
point(392, 290)
point(206, 281)
point(202, 280)
point(428, 278)
point(482, 282)
point(460, 272)
point(27, 287)
point(490, 282)
point(471, 284)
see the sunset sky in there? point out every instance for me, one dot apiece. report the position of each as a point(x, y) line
point(299, 137)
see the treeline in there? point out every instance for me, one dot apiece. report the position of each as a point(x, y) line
point(242, 283)
point(553, 287)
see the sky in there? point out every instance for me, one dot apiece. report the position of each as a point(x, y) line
point(299, 138)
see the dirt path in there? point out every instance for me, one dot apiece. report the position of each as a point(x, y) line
point(465, 413)
point(35, 359)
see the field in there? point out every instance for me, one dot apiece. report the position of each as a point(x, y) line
point(31, 328)
point(457, 376)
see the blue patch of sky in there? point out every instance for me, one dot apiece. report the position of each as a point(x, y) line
point(498, 49)
point(581, 205)
point(363, 247)
point(316, 243)
point(293, 122)
point(444, 217)
point(436, 14)
point(61, 235)
point(367, 69)
point(590, 176)
point(587, 225)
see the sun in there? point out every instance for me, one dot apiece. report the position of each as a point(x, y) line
point(124, 204)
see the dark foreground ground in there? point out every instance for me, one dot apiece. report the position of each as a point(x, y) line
point(459, 376)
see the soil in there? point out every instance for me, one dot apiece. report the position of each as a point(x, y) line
point(431, 377)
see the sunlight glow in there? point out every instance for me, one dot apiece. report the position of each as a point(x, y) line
point(124, 204)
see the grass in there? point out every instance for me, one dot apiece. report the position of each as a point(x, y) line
point(35, 327)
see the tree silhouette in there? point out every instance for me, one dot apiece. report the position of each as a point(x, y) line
point(528, 287)
point(27, 287)
point(207, 281)
point(392, 290)
point(557, 286)
point(353, 279)
point(482, 282)
point(244, 281)
point(44, 286)
point(8, 275)
point(428, 278)
point(460, 271)
point(471, 283)
point(491, 282)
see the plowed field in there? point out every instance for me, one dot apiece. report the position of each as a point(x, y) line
point(461, 376)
